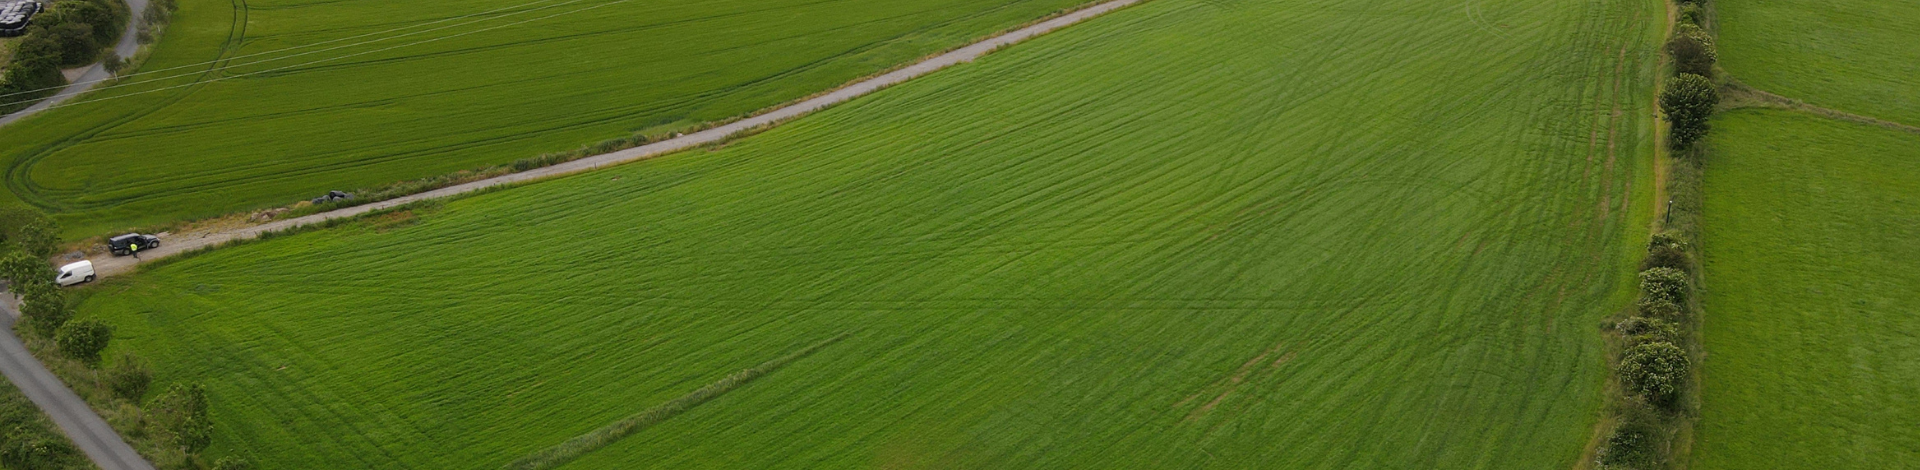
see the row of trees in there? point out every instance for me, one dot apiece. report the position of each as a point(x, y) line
point(1654, 366)
point(178, 418)
point(26, 439)
point(1690, 95)
point(69, 33)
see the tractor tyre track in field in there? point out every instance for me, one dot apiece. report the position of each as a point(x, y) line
point(1740, 95)
point(107, 450)
point(19, 178)
point(74, 417)
point(177, 244)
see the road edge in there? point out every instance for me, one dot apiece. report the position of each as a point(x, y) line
point(68, 411)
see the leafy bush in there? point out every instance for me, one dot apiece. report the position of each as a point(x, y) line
point(1664, 284)
point(44, 307)
point(1692, 14)
point(32, 230)
point(1688, 101)
point(1654, 370)
point(21, 268)
point(77, 46)
point(112, 62)
point(101, 19)
point(30, 448)
point(83, 339)
point(183, 414)
point(1692, 50)
point(1659, 308)
point(129, 378)
point(1667, 257)
point(232, 463)
point(1628, 447)
point(1667, 239)
point(1643, 330)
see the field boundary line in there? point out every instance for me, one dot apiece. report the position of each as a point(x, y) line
point(174, 245)
point(564, 452)
point(1741, 96)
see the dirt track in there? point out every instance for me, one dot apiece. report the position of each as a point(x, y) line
point(178, 243)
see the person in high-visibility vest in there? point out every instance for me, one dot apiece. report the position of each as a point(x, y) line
point(135, 247)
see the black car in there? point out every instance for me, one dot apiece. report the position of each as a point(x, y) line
point(332, 196)
point(132, 243)
point(14, 16)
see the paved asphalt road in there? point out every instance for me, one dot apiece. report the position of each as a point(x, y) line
point(96, 73)
point(99, 441)
point(90, 433)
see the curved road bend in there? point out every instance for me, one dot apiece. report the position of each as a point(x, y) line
point(90, 433)
point(187, 242)
point(96, 73)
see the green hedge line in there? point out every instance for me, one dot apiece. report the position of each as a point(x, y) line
point(1654, 368)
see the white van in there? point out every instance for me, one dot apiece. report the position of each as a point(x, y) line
point(75, 273)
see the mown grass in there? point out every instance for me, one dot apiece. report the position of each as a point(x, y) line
point(489, 89)
point(1813, 280)
point(1283, 234)
point(1860, 56)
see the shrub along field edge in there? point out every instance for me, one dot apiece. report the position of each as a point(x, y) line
point(1654, 395)
point(29, 440)
point(170, 429)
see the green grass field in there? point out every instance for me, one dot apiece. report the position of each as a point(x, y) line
point(1193, 233)
point(1860, 56)
point(1814, 281)
point(456, 84)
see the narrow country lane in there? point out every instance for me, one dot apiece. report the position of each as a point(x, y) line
point(96, 73)
point(88, 432)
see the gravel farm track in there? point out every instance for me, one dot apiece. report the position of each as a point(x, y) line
point(180, 243)
point(105, 447)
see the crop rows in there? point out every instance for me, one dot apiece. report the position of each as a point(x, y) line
point(1291, 233)
point(257, 104)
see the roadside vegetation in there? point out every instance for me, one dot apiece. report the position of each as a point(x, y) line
point(170, 430)
point(69, 33)
point(1188, 231)
point(1811, 271)
point(29, 440)
point(269, 104)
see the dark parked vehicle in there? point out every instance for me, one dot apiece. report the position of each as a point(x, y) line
point(14, 16)
point(132, 243)
point(332, 196)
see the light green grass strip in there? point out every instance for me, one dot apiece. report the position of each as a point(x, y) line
point(558, 455)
